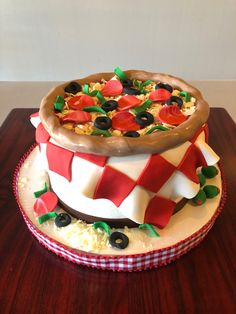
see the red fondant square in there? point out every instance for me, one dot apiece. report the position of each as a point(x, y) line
point(156, 173)
point(98, 160)
point(204, 129)
point(192, 159)
point(113, 185)
point(41, 135)
point(35, 114)
point(159, 211)
point(59, 160)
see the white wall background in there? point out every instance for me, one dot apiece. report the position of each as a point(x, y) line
point(57, 40)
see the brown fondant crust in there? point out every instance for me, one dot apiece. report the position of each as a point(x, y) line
point(122, 146)
point(116, 223)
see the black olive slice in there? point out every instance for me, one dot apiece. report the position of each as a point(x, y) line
point(62, 220)
point(131, 134)
point(144, 118)
point(109, 105)
point(73, 88)
point(175, 99)
point(102, 123)
point(119, 240)
point(165, 86)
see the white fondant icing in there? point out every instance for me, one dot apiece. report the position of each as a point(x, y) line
point(178, 186)
point(70, 195)
point(137, 199)
point(132, 165)
point(43, 158)
point(35, 121)
point(175, 155)
point(211, 157)
point(86, 176)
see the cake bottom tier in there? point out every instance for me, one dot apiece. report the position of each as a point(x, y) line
point(80, 243)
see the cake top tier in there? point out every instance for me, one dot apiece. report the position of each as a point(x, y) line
point(120, 107)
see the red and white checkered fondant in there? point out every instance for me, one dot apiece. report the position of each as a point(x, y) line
point(159, 180)
point(144, 188)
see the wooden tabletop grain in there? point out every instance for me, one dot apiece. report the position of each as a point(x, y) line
point(34, 280)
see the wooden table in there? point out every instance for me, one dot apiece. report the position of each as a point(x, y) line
point(33, 280)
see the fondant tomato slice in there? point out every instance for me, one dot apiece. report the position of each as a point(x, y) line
point(159, 94)
point(124, 121)
point(112, 88)
point(77, 116)
point(128, 102)
point(171, 115)
point(45, 203)
point(80, 102)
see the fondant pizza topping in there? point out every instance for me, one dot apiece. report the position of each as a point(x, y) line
point(125, 121)
point(40, 192)
point(131, 91)
point(59, 103)
point(109, 105)
point(186, 96)
point(73, 88)
point(200, 198)
point(77, 116)
point(102, 123)
point(112, 88)
point(158, 104)
point(171, 115)
point(62, 220)
point(160, 95)
point(128, 102)
point(118, 240)
point(144, 118)
point(102, 225)
point(94, 109)
point(45, 203)
point(175, 100)
point(102, 133)
point(46, 217)
point(209, 171)
point(165, 86)
point(157, 127)
point(211, 191)
point(80, 102)
point(150, 228)
point(202, 179)
point(131, 134)
point(206, 191)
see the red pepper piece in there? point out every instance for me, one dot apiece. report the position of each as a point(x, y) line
point(77, 116)
point(171, 115)
point(112, 88)
point(80, 102)
point(124, 121)
point(160, 94)
point(45, 203)
point(128, 102)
